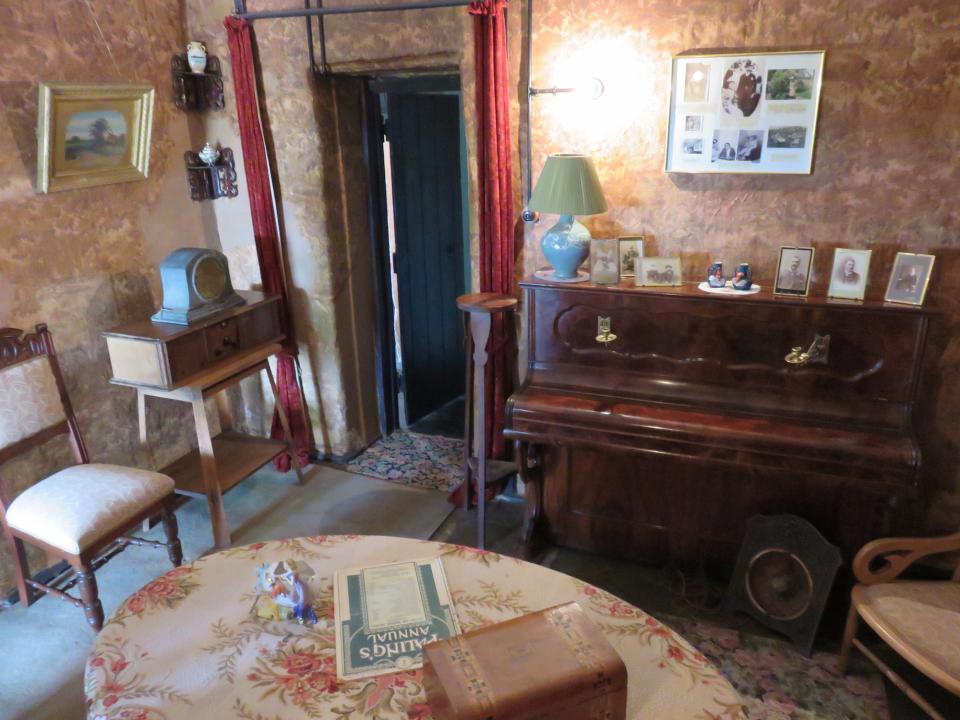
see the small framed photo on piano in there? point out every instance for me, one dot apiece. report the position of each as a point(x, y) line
point(910, 278)
point(631, 250)
point(603, 262)
point(659, 271)
point(848, 277)
point(793, 271)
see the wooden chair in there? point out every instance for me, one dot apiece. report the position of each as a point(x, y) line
point(917, 618)
point(81, 513)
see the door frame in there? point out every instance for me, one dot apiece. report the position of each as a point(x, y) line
point(374, 134)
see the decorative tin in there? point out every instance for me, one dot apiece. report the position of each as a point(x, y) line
point(743, 279)
point(715, 275)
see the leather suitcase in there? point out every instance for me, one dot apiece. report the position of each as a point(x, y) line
point(552, 664)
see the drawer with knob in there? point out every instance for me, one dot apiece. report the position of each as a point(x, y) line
point(164, 355)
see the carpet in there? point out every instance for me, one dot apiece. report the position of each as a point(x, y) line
point(427, 461)
point(778, 683)
point(50, 640)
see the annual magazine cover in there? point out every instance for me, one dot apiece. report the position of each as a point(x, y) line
point(385, 613)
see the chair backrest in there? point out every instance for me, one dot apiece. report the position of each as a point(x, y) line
point(34, 405)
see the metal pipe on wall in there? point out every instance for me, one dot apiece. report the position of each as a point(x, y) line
point(346, 10)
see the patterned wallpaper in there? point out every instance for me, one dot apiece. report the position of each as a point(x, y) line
point(886, 171)
point(85, 260)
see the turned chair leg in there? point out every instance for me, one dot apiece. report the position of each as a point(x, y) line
point(91, 598)
point(849, 632)
point(170, 529)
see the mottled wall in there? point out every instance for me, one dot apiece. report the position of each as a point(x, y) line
point(316, 131)
point(85, 260)
point(887, 161)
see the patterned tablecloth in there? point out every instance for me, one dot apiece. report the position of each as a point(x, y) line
point(185, 646)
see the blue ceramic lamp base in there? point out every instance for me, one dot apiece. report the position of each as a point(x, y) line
point(566, 245)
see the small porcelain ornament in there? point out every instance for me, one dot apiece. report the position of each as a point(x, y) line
point(197, 57)
point(209, 154)
point(281, 592)
point(715, 277)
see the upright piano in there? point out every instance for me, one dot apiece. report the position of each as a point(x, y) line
point(654, 422)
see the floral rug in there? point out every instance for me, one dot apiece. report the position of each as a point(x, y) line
point(778, 683)
point(427, 461)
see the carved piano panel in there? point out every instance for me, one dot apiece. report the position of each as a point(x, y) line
point(666, 418)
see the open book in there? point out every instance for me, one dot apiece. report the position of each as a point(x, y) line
point(386, 613)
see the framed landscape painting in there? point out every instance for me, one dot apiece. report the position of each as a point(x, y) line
point(747, 112)
point(91, 135)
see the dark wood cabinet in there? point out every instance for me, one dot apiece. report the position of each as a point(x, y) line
point(662, 442)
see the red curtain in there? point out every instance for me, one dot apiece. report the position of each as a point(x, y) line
point(260, 192)
point(495, 190)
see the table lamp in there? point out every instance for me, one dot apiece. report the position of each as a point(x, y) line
point(568, 186)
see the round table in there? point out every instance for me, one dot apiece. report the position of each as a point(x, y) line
point(186, 646)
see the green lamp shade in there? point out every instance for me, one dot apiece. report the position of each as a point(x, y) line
point(568, 185)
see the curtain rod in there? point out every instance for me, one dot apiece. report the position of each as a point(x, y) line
point(346, 10)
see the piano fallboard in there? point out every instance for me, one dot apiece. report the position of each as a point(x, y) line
point(695, 388)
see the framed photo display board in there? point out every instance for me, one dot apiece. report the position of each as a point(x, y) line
point(744, 113)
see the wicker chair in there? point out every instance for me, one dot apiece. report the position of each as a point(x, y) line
point(920, 619)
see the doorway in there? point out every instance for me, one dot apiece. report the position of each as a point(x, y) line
point(424, 243)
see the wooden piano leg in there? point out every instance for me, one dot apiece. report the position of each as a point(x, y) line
point(532, 534)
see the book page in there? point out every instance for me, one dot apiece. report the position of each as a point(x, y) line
point(392, 595)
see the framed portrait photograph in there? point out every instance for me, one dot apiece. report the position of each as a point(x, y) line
point(604, 262)
point(658, 271)
point(848, 276)
point(91, 135)
point(793, 271)
point(631, 250)
point(909, 278)
point(744, 112)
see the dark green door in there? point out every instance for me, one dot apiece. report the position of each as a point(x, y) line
point(424, 134)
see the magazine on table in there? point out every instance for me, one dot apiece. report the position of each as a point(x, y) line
point(384, 614)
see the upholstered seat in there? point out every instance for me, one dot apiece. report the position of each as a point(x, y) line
point(82, 514)
point(921, 620)
point(74, 508)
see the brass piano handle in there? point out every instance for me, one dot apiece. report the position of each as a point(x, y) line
point(603, 331)
point(816, 353)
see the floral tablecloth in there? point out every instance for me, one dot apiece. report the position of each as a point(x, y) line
point(185, 646)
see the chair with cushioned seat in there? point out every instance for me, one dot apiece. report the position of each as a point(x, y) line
point(82, 513)
point(919, 619)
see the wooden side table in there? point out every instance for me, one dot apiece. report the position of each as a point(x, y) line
point(221, 461)
point(479, 309)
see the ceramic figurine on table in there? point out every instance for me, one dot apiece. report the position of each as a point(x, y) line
point(715, 275)
point(197, 57)
point(743, 278)
point(281, 592)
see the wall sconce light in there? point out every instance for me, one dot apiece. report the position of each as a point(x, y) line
point(592, 88)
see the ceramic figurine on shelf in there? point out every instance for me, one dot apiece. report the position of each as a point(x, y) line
point(743, 278)
point(209, 154)
point(197, 57)
point(715, 275)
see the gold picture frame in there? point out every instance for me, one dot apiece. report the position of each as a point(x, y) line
point(776, 134)
point(89, 135)
point(905, 287)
